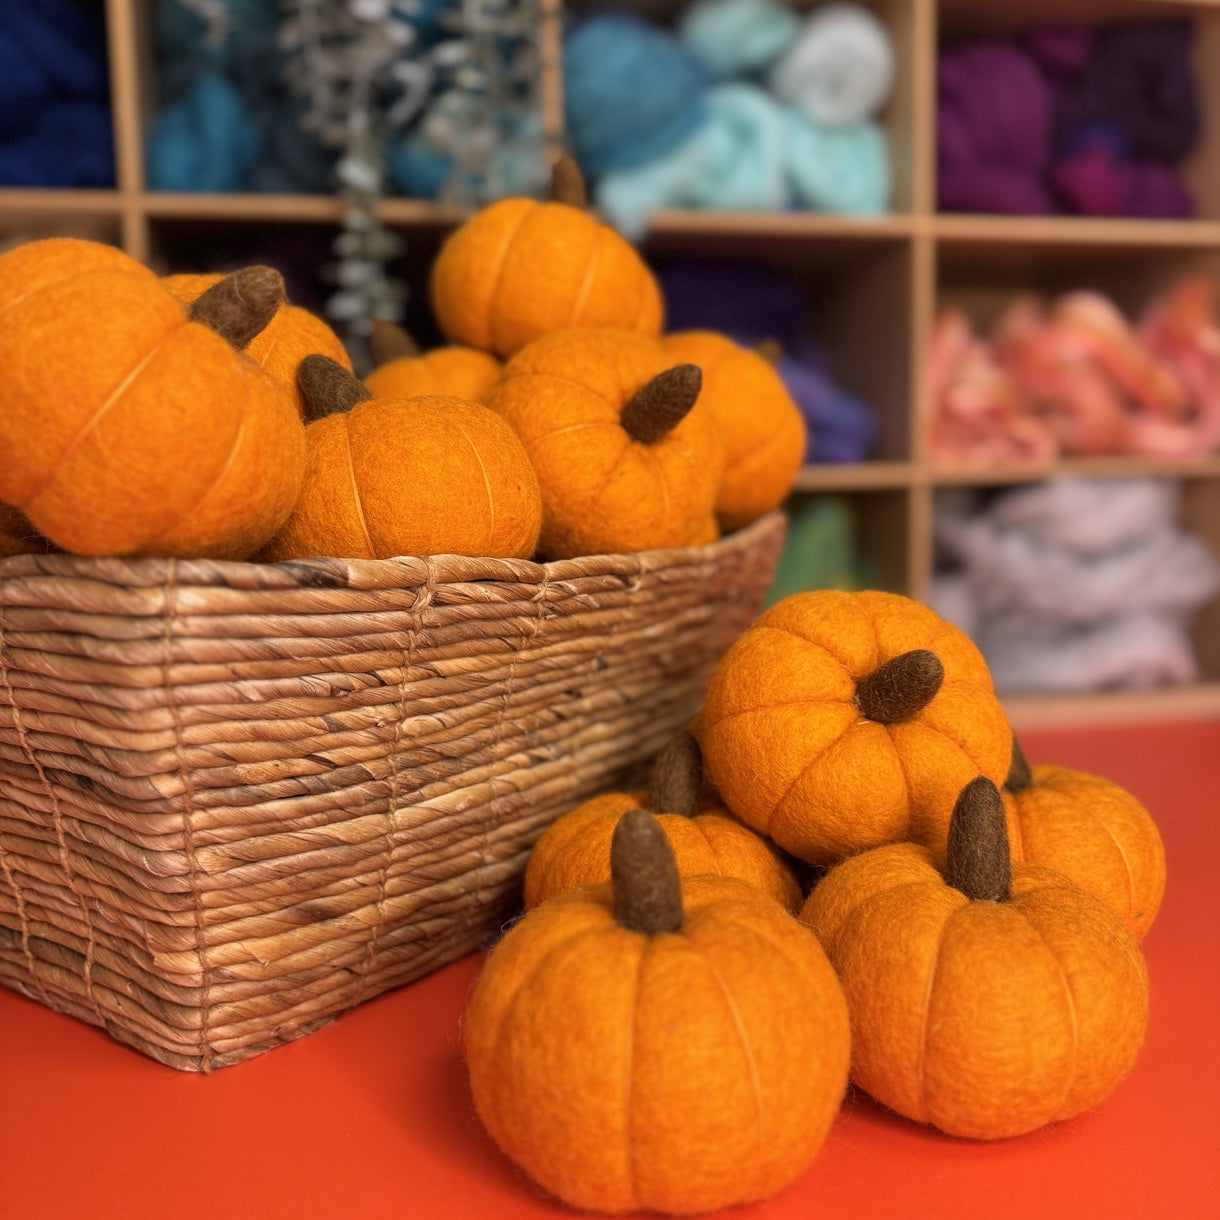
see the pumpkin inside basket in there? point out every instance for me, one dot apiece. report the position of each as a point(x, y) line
point(238, 799)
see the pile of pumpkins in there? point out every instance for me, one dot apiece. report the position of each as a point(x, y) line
point(204, 416)
point(672, 1023)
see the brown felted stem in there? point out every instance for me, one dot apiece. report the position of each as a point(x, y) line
point(676, 776)
point(238, 307)
point(659, 405)
point(770, 350)
point(904, 685)
point(980, 864)
point(388, 341)
point(644, 875)
point(568, 184)
point(1019, 775)
point(327, 387)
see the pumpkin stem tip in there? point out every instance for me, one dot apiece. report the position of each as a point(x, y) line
point(659, 405)
point(644, 876)
point(327, 388)
point(389, 341)
point(241, 305)
point(900, 688)
point(1019, 775)
point(979, 860)
point(568, 184)
point(676, 777)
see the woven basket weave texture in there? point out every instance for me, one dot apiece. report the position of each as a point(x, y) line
point(238, 799)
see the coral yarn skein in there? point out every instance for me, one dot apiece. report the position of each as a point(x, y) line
point(574, 851)
point(627, 457)
point(989, 1001)
point(761, 427)
point(520, 268)
point(403, 371)
point(406, 476)
point(131, 426)
point(839, 721)
point(1090, 830)
point(657, 1043)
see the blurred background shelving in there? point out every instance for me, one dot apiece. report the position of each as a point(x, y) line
point(875, 283)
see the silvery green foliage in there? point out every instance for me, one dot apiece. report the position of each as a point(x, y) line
point(366, 74)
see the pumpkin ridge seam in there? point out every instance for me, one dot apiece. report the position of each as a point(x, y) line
point(351, 473)
point(491, 499)
point(548, 375)
point(497, 285)
point(586, 284)
point(922, 1068)
point(115, 394)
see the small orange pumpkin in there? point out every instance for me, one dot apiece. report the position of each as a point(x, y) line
point(520, 268)
point(656, 1044)
point(760, 425)
point(132, 426)
point(840, 721)
point(987, 1002)
point(627, 458)
point(406, 476)
point(292, 334)
point(1090, 830)
point(403, 371)
point(575, 850)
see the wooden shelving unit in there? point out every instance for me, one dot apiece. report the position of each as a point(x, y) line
point(875, 283)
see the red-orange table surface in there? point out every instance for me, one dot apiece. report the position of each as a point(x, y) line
point(371, 1116)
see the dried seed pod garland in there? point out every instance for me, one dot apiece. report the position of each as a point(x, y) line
point(574, 851)
point(131, 428)
point(627, 457)
point(989, 1001)
point(291, 335)
point(658, 1045)
point(406, 476)
point(840, 721)
point(760, 425)
point(403, 371)
point(521, 268)
point(1092, 831)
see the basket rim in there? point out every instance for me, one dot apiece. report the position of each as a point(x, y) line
point(323, 572)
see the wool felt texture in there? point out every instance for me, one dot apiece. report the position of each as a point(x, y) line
point(602, 490)
point(731, 38)
point(204, 142)
point(1092, 831)
point(841, 168)
point(840, 69)
point(412, 476)
point(459, 372)
point(986, 1019)
point(787, 746)
point(169, 442)
point(486, 291)
point(625, 1071)
point(761, 429)
point(291, 335)
point(613, 122)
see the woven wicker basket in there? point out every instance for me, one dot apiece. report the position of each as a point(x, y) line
point(238, 799)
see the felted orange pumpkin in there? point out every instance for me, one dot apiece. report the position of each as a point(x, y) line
point(627, 458)
point(292, 334)
point(656, 1044)
point(987, 1002)
point(520, 268)
point(1090, 830)
point(761, 427)
point(403, 371)
point(132, 426)
point(575, 850)
point(406, 476)
point(840, 721)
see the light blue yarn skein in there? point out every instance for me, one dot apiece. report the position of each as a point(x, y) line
point(737, 37)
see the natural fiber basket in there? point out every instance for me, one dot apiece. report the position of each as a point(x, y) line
point(238, 799)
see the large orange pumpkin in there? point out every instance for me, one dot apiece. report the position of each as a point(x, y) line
point(575, 850)
point(1090, 830)
point(520, 268)
point(292, 334)
point(840, 721)
point(403, 371)
point(406, 476)
point(130, 426)
point(760, 425)
point(627, 458)
point(656, 1044)
point(989, 1001)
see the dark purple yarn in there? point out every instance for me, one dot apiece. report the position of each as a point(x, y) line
point(1060, 51)
point(747, 300)
point(1156, 192)
point(1139, 77)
